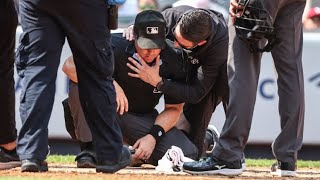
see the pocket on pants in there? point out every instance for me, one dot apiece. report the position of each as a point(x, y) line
point(22, 54)
point(104, 57)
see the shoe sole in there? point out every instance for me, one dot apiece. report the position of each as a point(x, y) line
point(106, 169)
point(284, 173)
point(225, 172)
point(9, 165)
point(244, 166)
point(86, 165)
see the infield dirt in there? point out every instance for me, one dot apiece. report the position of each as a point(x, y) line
point(146, 172)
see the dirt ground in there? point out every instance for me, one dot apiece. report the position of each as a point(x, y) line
point(69, 171)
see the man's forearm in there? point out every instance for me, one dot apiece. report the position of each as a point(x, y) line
point(168, 118)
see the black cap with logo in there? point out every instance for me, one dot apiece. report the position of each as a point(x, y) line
point(150, 30)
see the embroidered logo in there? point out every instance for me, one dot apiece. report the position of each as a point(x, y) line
point(220, 167)
point(194, 61)
point(152, 30)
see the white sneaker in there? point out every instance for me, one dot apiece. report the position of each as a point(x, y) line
point(284, 169)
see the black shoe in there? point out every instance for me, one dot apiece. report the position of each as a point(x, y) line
point(137, 163)
point(33, 165)
point(9, 159)
point(284, 169)
point(86, 159)
point(212, 136)
point(211, 165)
point(112, 167)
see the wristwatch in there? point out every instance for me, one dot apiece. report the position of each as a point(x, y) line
point(159, 85)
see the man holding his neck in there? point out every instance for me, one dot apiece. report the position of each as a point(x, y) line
point(203, 35)
point(151, 134)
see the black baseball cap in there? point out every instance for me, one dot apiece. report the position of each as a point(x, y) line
point(150, 30)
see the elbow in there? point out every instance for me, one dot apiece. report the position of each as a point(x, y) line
point(179, 108)
point(68, 65)
point(65, 69)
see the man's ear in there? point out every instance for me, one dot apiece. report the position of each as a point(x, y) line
point(202, 43)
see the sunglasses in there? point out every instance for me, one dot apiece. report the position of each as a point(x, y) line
point(181, 45)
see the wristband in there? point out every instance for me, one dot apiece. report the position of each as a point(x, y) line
point(157, 132)
point(159, 85)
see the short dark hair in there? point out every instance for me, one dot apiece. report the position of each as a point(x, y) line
point(195, 25)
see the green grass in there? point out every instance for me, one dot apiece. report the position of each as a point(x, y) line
point(269, 162)
point(61, 159)
point(249, 162)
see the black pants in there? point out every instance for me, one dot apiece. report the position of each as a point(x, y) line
point(8, 21)
point(199, 116)
point(136, 126)
point(46, 24)
point(133, 126)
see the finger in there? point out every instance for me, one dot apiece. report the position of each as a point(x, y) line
point(142, 154)
point(231, 12)
point(122, 106)
point(133, 68)
point(136, 145)
point(138, 154)
point(130, 32)
point(128, 36)
point(134, 75)
point(232, 8)
point(135, 63)
point(131, 36)
point(126, 103)
point(147, 156)
point(141, 61)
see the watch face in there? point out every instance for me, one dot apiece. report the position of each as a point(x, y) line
point(159, 133)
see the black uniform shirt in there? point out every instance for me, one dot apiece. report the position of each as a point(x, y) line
point(209, 60)
point(141, 96)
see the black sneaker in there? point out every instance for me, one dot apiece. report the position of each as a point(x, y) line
point(211, 165)
point(112, 167)
point(86, 159)
point(212, 136)
point(33, 165)
point(9, 159)
point(284, 169)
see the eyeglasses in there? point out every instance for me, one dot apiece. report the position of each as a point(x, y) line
point(182, 46)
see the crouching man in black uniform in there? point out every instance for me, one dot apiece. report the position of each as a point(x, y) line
point(150, 133)
point(203, 35)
